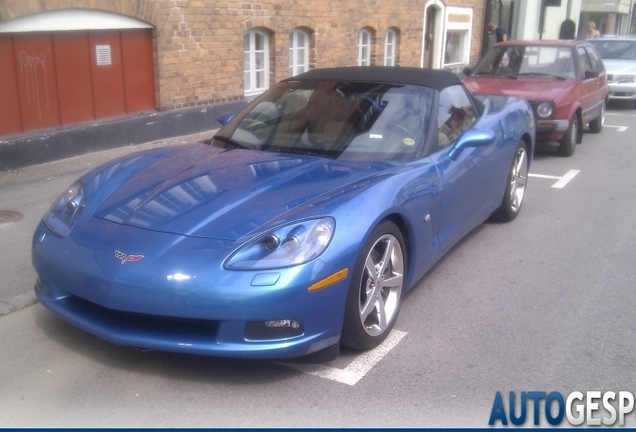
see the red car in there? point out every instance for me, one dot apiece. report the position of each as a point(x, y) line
point(564, 81)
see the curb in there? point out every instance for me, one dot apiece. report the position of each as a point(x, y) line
point(17, 303)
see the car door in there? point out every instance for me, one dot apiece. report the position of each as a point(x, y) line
point(467, 182)
point(601, 88)
point(592, 88)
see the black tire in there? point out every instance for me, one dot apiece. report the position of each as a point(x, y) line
point(367, 323)
point(567, 145)
point(516, 187)
point(596, 125)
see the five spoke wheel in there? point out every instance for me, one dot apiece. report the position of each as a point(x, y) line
point(375, 293)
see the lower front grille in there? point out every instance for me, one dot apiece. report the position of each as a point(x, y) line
point(141, 323)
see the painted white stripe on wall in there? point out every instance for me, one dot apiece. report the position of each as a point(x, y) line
point(70, 20)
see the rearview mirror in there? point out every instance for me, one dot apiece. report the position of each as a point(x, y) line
point(591, 74)
point(471, 138)
point(225, 118)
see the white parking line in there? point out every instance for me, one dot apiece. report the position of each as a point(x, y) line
point(545, 176)
point(619, 114)
point(561, 181)
point(358, 368)
point(620, 128)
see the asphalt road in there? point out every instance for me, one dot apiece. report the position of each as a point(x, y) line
point(545, 303)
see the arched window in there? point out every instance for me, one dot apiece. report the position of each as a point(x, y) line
point(298, 52)
point(365, 38)
point(390, 46)
point(256, 62)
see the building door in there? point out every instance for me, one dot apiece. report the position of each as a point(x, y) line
point(75, 72)
point(499, 12)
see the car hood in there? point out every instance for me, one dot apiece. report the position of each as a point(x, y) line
point(531, 89)
point(614, 66)
point(199, 190)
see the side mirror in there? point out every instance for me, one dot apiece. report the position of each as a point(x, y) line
point(471, 138)
point(467, 70)
point(225, 118)
point(592, 74)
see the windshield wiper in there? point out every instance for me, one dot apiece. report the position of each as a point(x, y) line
point(542, 74)
point(303, 151)
point(495, 75)
point(230, 141)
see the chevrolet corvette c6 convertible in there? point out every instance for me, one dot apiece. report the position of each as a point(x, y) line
point(297, 228)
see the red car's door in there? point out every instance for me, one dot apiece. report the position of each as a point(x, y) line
point(593, 89)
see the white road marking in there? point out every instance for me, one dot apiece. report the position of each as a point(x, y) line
point(561, 181)
point(619, 114)
point(544, 176)
point(620, 128)
point(560, 184)
point(358, 368)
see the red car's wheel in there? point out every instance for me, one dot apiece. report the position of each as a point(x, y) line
point(567, 145)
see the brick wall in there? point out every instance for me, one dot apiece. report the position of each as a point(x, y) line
point(198, 44)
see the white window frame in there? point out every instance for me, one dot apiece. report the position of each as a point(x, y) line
point(364, 60)
point(390, 45)
point(250, 70)
point(463, 28)
point(298, 55)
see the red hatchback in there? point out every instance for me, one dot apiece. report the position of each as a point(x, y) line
point(564, 81)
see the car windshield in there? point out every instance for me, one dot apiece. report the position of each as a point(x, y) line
point(528, 61)
point(352, 120)
point(616, 49)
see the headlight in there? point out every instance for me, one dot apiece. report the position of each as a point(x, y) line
point(545, 109)
point(290, 245)
point(624, 78)
point(63, 215)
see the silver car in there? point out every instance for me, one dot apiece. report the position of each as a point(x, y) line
point(619, 57)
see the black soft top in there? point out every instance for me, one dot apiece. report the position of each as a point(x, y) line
point(433, 78)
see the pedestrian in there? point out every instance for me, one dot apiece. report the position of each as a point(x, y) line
point(591, 30)
point(501, 35)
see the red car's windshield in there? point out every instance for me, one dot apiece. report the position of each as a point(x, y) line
point(531, 61)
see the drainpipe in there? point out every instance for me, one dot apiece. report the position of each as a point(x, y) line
point(629, 21)
point(541, 19)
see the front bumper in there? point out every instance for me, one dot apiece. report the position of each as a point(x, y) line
point(179, 297)
point(622, 91)
point(551, 130)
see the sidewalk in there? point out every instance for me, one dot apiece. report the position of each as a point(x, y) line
point(90, 160)
point(30, 191)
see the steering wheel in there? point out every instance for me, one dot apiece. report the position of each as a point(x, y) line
point(256, 127)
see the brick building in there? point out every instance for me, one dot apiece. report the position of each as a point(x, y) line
point(180, 55)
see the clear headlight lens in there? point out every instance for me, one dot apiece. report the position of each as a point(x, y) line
point(290, 245)
point(545, 109)
point(63, 215)
point(624, 78)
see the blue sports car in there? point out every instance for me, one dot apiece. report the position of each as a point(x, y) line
point(294, 230)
